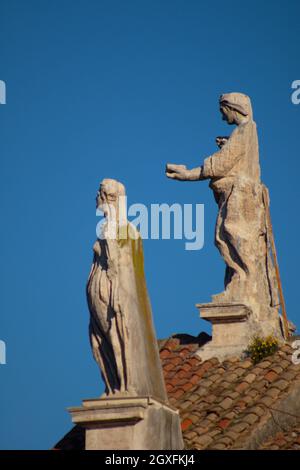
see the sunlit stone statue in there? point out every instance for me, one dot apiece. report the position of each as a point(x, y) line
point(133, 413)
point(121, 329)
point(241, 229)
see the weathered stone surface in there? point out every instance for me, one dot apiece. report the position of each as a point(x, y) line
point(121, 328)
point(242, 232)
point(128, 424)
point(231, 332)
point(135, 413)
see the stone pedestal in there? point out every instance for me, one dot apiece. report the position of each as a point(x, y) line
point(232, 329)
point(128, 423)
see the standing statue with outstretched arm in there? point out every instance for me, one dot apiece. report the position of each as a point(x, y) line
point(241, 230)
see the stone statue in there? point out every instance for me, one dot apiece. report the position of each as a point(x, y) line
point(121, 329)
point(241, 230)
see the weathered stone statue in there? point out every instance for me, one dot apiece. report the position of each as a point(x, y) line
point(134, 413)
point(241, 229)
point(121, 328)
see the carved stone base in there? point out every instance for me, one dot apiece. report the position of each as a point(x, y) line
point(128, 423)
point(233, 327)
point(231, 331)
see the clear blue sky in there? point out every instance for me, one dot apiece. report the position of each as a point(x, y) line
point(116, 89)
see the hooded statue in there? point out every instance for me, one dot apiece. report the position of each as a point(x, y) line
point(241, 229)
point(121, 328)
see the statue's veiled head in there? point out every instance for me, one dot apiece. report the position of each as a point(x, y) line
point(111, 198)
point(235, 108)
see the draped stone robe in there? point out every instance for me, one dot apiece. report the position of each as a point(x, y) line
point(241, 232)
point(121, 328)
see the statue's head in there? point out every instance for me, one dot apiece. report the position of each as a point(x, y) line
point(235, 108)
point(110, 197)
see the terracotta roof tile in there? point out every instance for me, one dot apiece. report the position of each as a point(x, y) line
point(186, 423)
point(241, 387)
point(224, 423)
point(281, 384)
point(250, 378)
point(271, 375)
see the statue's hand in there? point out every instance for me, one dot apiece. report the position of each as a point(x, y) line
point(176, 172)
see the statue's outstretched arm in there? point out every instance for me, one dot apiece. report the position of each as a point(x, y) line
point(215, 166)
point(181, 173)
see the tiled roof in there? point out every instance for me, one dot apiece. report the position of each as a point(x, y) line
point(222, 405)
point(229, 405)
